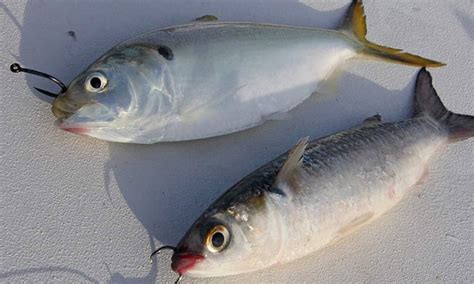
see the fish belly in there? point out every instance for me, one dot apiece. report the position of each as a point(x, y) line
point(353, 178)
point(229, 78)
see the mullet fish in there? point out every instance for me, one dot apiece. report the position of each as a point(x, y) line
point(319, 191)
point(210, 78)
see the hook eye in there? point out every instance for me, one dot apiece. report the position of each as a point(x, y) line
point(16, 68)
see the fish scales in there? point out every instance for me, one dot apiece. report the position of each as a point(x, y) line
point(356, 170)
point(319, 192)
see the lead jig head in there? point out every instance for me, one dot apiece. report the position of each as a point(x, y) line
point(16, 68)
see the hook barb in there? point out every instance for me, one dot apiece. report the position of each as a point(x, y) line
point(16, 68)
point(49, 94)
point(160, 249)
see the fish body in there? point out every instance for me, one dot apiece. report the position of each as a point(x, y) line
point(236, 75)
point(319, 191)
point(212, 78)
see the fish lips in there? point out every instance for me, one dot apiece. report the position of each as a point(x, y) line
point(63, 125)
point(183, 262)
point(82, 118)
point(61, 122)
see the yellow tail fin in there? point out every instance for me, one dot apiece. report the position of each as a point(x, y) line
point(355, 25)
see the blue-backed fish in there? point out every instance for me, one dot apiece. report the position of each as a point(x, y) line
point(319, 191)
point(210, 78)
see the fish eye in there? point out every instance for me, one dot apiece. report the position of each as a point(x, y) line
point(96, 82)
point(217, 238)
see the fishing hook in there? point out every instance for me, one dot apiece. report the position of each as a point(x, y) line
point(180, 276)
point(16, 68)
point(160, 249)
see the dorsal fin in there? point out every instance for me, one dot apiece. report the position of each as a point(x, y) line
point(374, 119)
point(292, 162)
point(206, 18)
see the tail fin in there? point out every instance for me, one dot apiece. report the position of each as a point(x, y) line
point(355, 25)
point(427, 102)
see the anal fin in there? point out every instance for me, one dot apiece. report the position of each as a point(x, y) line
point(354, 224)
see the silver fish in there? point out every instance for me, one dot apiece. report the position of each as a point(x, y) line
point(210, 78)
point(319, 191)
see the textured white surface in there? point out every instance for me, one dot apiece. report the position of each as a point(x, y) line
point(75, 209)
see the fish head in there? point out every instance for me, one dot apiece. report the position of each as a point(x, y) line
point(238, 238)
point(115, 98)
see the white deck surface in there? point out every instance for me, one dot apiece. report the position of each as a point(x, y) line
point(76, 209)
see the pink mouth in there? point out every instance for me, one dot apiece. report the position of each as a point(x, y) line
point(184, 262)
point(76, 130)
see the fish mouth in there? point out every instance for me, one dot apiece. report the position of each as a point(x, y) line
point(60, 114)
point(76, 130)
point(183, 262)
point(61, 121)
point(63, 108)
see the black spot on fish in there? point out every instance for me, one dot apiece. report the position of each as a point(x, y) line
point(166, 52)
